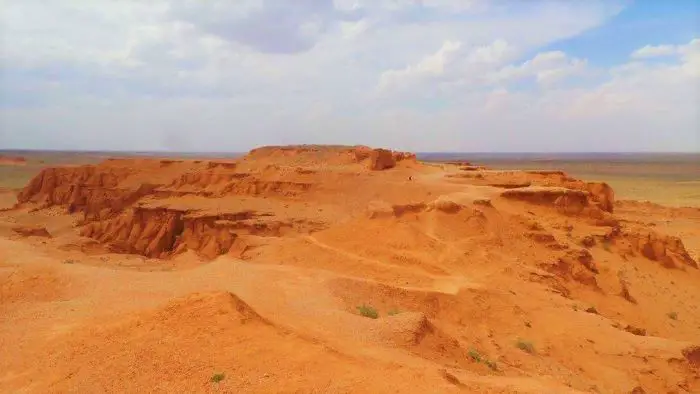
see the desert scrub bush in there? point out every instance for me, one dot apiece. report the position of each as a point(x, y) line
point(475, 355)
point(368, 311)
point(491, 364)
point(393, 312)
point(525, 346)
point(217, 377)
point(672, 315)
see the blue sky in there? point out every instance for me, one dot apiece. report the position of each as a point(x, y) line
point(639, 23)
point(421, 75)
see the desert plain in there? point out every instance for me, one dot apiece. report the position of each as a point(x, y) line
point(345, 269)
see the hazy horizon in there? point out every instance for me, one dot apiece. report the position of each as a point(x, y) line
point(414, 75)
point(424, 154)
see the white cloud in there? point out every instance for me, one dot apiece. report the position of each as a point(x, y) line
point(351, 30)
point(547, 68)
point(453, 5)
point(689, 54)
point(430, 66)
point(494, 53)
point(223, 75)
point(654, 51)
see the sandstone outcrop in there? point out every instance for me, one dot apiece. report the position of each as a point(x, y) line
point(401, 156)
point(577, 265)
point(600, 194)
point(384, 159)
point(100, 191)
point(455, 202)
point(88, 189)
point(565, 200)
point(668, 250)
point(160, 232)
point(214, 184)
point(306, 155)
point(510, 185)
point(603, 194)
point(381, 159)
point(32, 231)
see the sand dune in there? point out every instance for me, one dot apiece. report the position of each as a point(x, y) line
point(342, 269)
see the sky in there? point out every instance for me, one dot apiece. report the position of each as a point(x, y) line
point(417, 75)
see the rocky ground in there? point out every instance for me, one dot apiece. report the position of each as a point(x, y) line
point(342, 269)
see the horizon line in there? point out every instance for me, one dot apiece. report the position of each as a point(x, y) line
point(35, 150)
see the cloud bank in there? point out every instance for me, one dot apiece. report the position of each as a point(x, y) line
point(422, 75)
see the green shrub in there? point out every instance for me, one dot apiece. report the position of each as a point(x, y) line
point(525, 346)
point(491, 364)
point(475, 355)
point(368, 311)
point(217, 377)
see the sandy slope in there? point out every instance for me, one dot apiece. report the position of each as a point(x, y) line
point(156, 275)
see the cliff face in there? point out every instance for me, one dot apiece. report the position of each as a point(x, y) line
point(667, 250)
point(373, 159)
point(598, 194)
point(160, 233)
point(602, 194)
point(566, 201)
point(64, 185)
point(383, 159)
point(90, 190)
point(102, 190)
point(214, 184)
point(109, 195)
point(164, 232)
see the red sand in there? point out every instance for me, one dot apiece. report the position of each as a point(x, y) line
point(154, 275)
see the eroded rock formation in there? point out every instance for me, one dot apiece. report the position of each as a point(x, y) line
point(32, 231)
point(162, 232)
point(575, 265)
point(381, 159)
point(668, 250)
